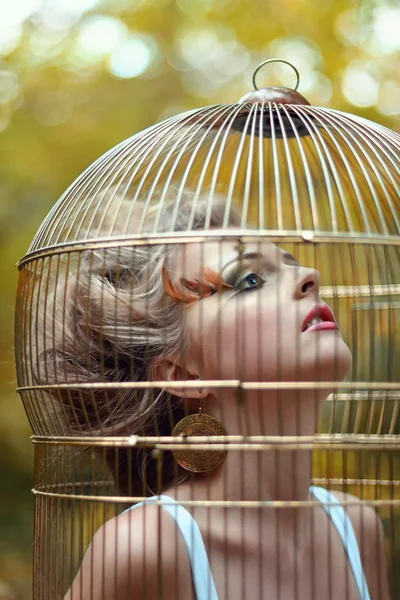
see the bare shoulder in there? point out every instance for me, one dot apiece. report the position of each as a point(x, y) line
point(371, 540)
point(365, 519)
point(131, 556)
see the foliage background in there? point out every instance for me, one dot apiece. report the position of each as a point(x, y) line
point(78, 76)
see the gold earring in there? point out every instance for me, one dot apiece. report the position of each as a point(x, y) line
point(199, 461)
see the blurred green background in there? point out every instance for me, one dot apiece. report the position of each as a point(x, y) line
point(78, 76)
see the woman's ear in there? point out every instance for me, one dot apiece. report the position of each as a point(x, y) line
point(168, 370)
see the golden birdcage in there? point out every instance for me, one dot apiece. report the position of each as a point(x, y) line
point(174, 343)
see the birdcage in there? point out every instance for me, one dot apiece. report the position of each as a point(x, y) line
point(125, 277)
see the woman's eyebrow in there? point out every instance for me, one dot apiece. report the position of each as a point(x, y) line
point(287, 257)
point(242, 256)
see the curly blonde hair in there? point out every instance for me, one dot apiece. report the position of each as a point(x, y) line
point(103, 317)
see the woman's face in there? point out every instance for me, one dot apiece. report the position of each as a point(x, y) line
point(266, 322)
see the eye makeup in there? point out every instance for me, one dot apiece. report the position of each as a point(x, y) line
point(255, 262)
point(249, 280)
point(195, 290)
point(239, 275)
point(238, 269)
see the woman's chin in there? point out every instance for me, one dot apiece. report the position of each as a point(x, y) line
point(328, 365)
point(316, 363)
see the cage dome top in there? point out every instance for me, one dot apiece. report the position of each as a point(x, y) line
point(290, 167)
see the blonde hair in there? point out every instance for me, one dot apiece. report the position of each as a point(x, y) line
point(105, 318)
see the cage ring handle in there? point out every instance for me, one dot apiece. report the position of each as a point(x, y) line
point(272, 60)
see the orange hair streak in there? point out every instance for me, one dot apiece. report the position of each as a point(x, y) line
point(202, 289)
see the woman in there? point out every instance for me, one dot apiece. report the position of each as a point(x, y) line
point(216, 310)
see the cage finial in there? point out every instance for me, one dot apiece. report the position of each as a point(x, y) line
point(271, 60)
point(279, 95)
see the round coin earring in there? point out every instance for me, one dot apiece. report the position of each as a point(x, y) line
point(199, 461)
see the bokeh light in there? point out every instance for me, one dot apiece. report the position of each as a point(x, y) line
point(9, 37)
point(213, 56)
point(15, 12)
point(45, 44)
point(9, 86)
point(389, 99)
point(100, 35)
point(351, 29)
point(210, 58)
point(359, 86)
point(386, 30)
point(133, 57)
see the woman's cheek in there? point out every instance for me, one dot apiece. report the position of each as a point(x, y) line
point(260, 348)
point(240, 343)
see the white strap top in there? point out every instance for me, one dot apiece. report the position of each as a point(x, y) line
point(202, 577)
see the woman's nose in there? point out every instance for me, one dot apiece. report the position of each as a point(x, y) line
point(307, 282)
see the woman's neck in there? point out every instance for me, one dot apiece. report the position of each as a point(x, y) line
point(262, 475)
point(266, 474)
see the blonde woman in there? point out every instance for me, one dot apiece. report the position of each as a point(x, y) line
point(211, 311)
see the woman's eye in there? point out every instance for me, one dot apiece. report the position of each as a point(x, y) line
point(251, 281)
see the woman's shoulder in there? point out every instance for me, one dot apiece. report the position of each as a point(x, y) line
point(365, 520)
point(135, 530)
point(370, 536)
point(142, 534)
point(132, 555)
point(364, 517)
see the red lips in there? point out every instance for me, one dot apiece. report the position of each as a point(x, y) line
point(323, 312)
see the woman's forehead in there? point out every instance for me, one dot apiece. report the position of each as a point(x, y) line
point(217, 254)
